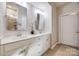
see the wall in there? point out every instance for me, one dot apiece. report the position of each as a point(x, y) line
point(2, 14)
point(67, 9)
point(54, 35)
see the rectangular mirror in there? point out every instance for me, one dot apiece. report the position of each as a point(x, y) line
point(16, 16)
point(11, 16)
point(39, 23)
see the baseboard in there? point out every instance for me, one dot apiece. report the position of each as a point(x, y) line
point(54, 45)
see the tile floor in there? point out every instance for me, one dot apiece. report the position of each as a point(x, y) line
point(62, 50)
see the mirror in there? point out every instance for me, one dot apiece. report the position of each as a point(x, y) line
point(40, 22)
point(16, 16)
point(12, 15)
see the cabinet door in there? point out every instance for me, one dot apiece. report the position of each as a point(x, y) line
point(1, 50)
point(36, 48)
point(46, 44)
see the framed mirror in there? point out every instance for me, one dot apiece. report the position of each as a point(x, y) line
point(40, 22)
point(16, 16)
point(11, 16)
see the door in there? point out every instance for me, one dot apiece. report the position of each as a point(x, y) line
point(70, 29)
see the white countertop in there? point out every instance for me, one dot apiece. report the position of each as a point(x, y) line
point(10, 39)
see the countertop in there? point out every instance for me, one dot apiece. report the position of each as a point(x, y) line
point(10, 39)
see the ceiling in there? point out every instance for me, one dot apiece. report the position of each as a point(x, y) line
point(59, 4)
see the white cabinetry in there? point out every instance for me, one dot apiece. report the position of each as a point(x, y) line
point(39, 46)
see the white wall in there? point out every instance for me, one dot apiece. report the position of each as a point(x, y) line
point(54, 35)
point(2, 15)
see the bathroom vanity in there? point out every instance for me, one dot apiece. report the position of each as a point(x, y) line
point(13, 46)
point(25, 29)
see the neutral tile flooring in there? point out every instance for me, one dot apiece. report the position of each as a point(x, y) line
point(62, 50)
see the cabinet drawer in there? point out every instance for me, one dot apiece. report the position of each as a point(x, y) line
point(46, 44)
point(42, 38)
point(15, 45)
